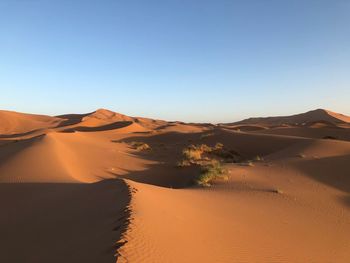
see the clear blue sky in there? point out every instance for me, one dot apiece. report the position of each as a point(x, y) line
point(177, 60)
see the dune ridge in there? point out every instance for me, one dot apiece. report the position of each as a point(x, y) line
point(16, 123)
point(298, 119)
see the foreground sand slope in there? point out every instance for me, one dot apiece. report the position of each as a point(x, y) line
point(243, 225)
point(284, 209)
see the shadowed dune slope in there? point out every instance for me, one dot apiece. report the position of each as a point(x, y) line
point(307, 132)
point(57, 202)
point(311, 116)
point(312, 148)
point(62, 222)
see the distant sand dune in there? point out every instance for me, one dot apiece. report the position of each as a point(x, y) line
point(17, 123)
point(299, 119)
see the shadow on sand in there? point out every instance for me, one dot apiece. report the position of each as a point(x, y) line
point(54, 222)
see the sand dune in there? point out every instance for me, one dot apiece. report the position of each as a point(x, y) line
point(246, 219)
point(181, 127)
point(102, 117)
point(74, 188)
point(236, 225)
point(317, 124)
point(14, 124)
point(245, 127)
point(299, 119)
point(17, 123)
point(310, 132)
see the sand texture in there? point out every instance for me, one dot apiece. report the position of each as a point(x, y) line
point(105, 187)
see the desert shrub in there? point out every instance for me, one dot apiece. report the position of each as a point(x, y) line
point(219, 146)
point(226, 155)
point(203, 151)
point(140, 146)
point(300, 155)
point(191, 153)
point(204, 148)
point(195, 152)
point(211, 172)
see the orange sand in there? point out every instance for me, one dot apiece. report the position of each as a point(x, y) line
point(73, 189)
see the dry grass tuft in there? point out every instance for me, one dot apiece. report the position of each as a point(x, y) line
point(192, 153)
point(140, 146)
point(210, 172)
point(196, 154)
point(183, 163)
point(218, 146)
point(208, 159)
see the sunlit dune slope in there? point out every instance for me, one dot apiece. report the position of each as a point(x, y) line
point(62, 157)
point(16, 123)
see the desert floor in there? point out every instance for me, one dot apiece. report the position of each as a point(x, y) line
point(74, 188)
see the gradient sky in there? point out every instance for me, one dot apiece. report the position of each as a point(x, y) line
point(177, 60)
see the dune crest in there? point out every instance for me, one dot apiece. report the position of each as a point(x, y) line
point(298, 119)
point(17, 123)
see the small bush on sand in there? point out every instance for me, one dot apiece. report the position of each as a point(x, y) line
point(229, 156)
point(300, 155)
point(218, 146)
point(210, 172)
point(140, 146)
point(191, 153)
point(196, 153)
point(203, 148)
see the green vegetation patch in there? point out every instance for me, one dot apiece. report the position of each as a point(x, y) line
point(210, 172)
